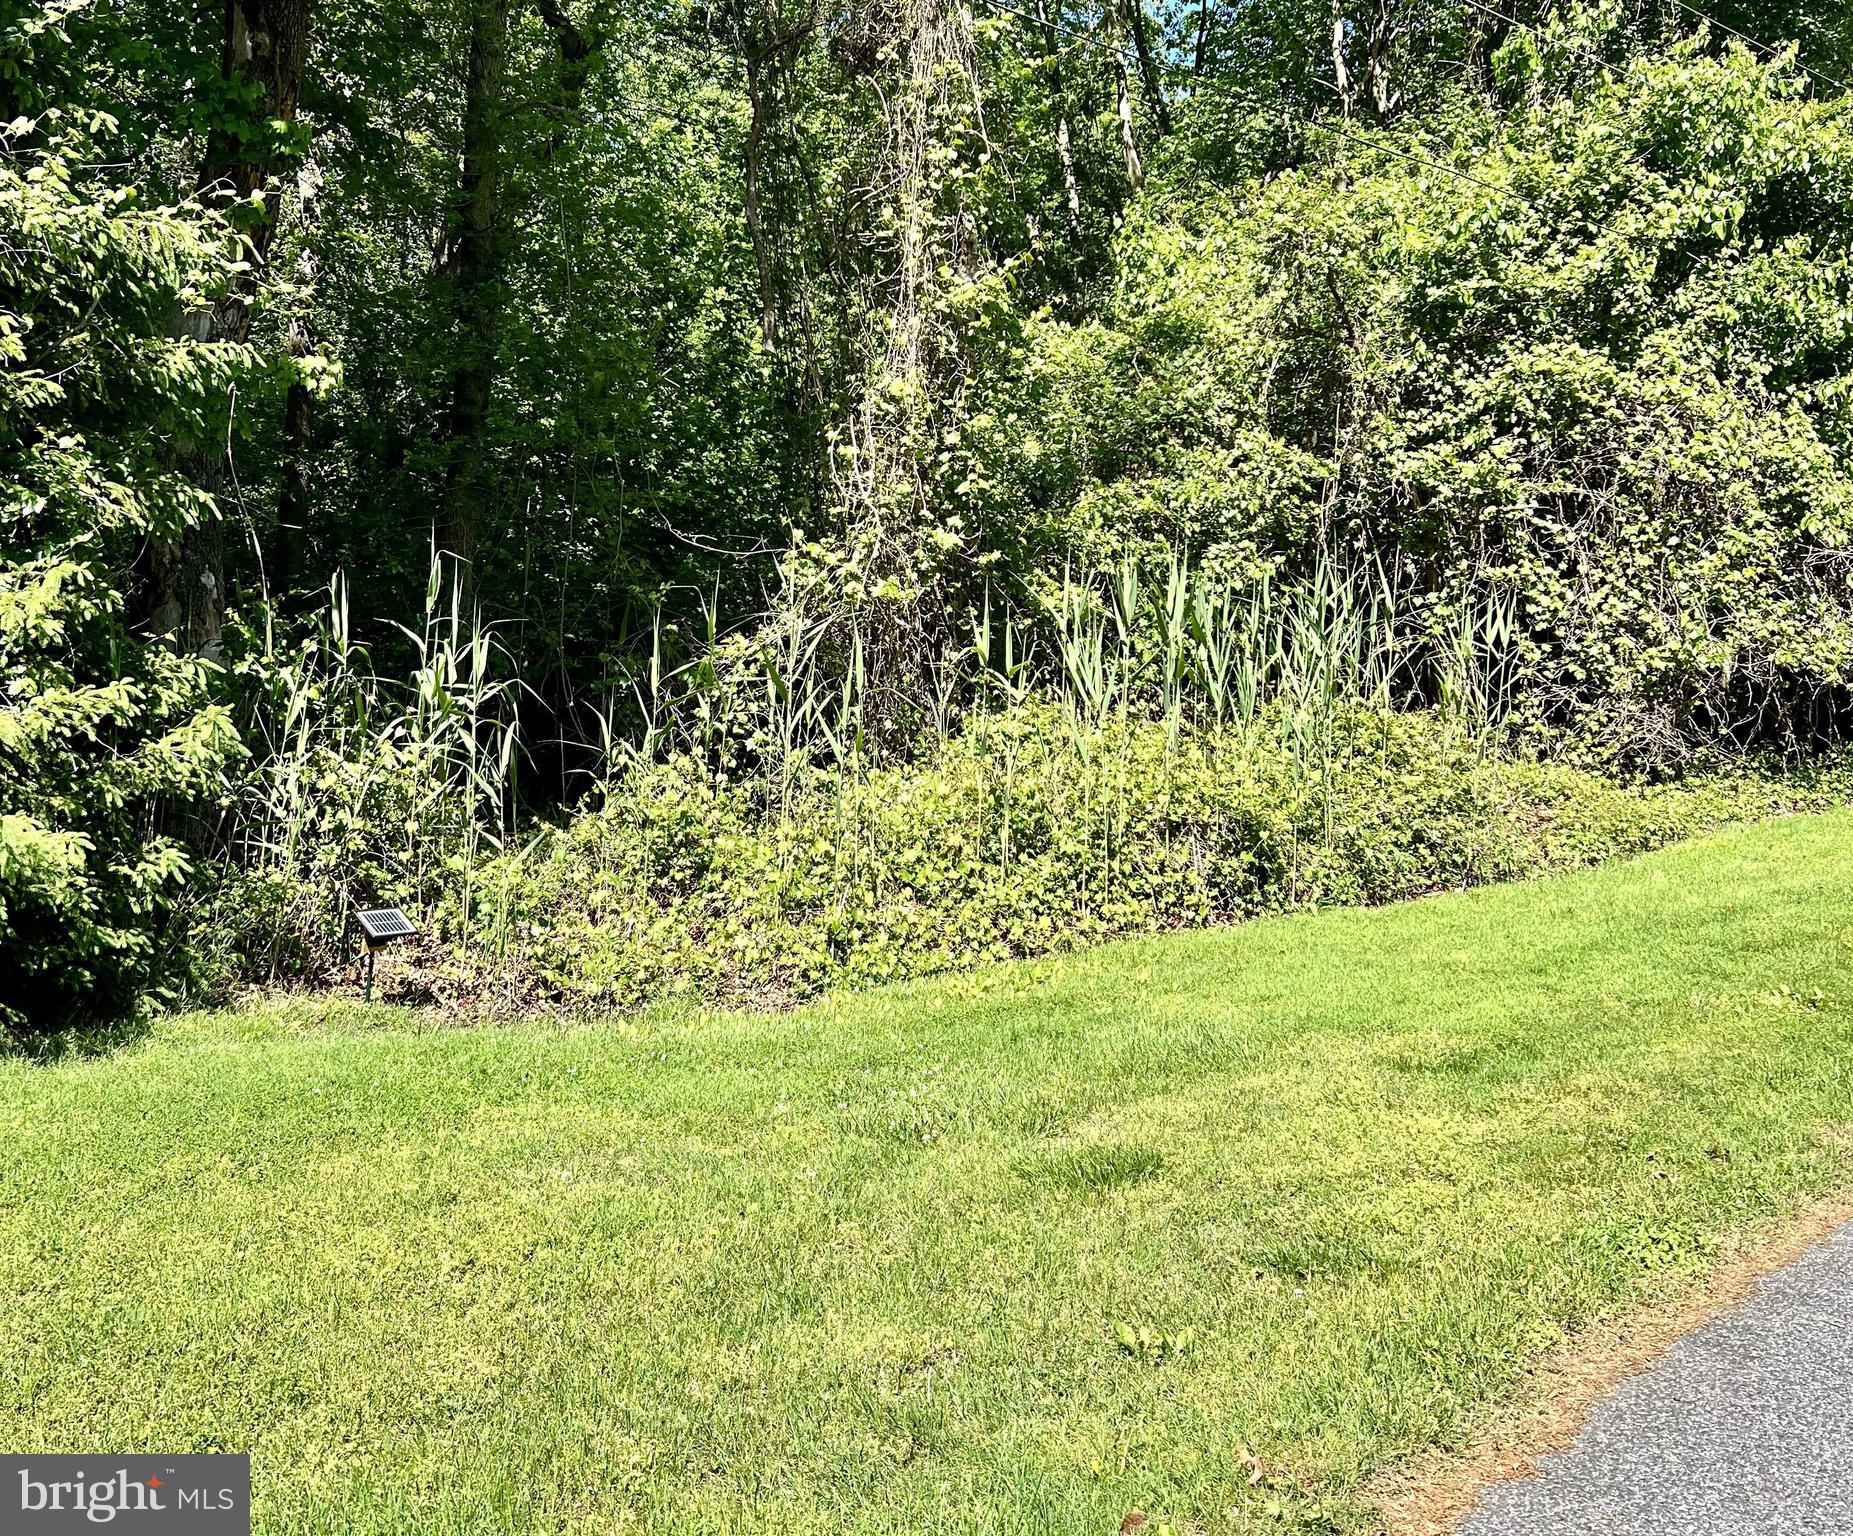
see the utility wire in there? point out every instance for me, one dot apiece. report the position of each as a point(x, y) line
point(1056, 26)
point(1513, 21)
point(1479, 5)
point(1415, 159)
point(1447, 170)
point(1745, 37)
point(1693, 10)
point(648, 117)
point(656, 113)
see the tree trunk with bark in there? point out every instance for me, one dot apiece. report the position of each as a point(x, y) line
point(1122, 96)
point(578, 51)
point(1206, 19)
point(472, 266)
point(266, 45)
point(768, 40)
point(1379, 54)
point(1373, 82)
point(289, 547)
point(1148, 66)
point(764, 258)
point(1341, 69)
point(290, 555)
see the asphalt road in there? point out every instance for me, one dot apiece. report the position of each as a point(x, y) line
point(1743, 1428)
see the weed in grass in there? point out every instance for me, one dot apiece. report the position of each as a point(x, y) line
point(1096, 1168)
point(1145, 1343)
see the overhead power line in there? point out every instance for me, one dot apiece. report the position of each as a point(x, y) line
point(1432, 164)
point(1121, 51)
point(1056, 26)
point(1692, 10)
point(1513, 21)
point(1479, 5)
point(1446, 170)
point(1745, 37)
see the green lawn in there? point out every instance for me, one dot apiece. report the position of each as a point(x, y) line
point(1018, 1252)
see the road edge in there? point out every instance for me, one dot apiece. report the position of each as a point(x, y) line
point(1429, 1494)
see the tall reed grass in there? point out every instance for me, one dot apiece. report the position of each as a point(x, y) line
point(368, 784)
point(790, 687)
point(365, 785)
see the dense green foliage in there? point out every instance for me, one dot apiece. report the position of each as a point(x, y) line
point(1608, 375)
point(1206, 1227)
point(891, 298)
point(1018, 840)
point(773, 398)
point(102, 735)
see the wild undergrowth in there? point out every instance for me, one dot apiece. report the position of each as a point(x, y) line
point(1023, 837)
point(364, 787)
point(1117, 753)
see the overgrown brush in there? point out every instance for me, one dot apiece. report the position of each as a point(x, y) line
point(1023, 835)
point(1110, 756)
point(364, 787)
point(108, 739)
point(368, 787)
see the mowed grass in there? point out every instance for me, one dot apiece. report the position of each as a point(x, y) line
point(1206, 1227)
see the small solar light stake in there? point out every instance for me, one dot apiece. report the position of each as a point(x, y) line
point(378, 928)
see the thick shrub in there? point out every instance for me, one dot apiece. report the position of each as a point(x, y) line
point(1602, 368)
point(1024, 836)
point(99, 729)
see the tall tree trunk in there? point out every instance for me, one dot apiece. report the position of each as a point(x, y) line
point(915, 364)
point(266, 44)
point(764, 258)
point(1148, 66)
point(1380, 44)
point(768, 42)
point(473, 266)
point(1064, 142)
point(289, 547)
point(578, 50)
point(1341, 72)
point(290, 555)
point(1206, 19)
point(769, 36)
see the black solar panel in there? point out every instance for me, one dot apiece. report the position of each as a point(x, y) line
point(385, 923)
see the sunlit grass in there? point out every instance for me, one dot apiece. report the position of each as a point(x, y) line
point(1022, 1251)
